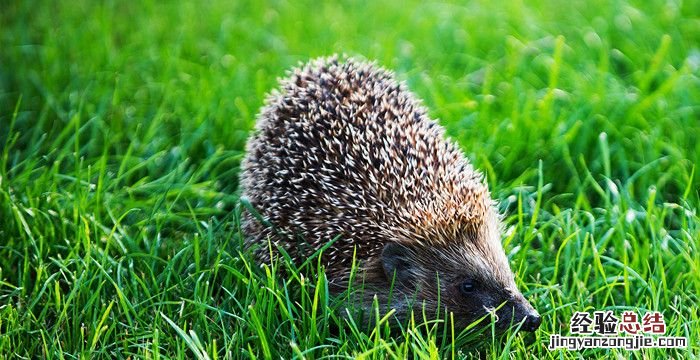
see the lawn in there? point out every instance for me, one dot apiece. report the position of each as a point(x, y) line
point(123, 124)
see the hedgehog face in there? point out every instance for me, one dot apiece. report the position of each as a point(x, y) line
point(471, 281)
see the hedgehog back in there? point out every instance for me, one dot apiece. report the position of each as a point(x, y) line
point(344, 150)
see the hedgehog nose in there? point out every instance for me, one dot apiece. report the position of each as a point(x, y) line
point(532, 322)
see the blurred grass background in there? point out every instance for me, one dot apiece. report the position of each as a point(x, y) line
point(122, 125)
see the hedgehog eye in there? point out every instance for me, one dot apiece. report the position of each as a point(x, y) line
point(467, 287)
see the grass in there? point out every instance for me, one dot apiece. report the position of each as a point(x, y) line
point(122, 125)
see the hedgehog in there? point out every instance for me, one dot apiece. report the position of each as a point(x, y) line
point(344, 158)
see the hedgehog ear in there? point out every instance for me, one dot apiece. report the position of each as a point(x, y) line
point(396, 262)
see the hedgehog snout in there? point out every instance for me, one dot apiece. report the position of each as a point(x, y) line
point(521, 311)
point(532, 322)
